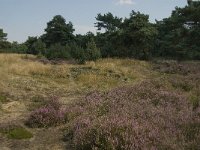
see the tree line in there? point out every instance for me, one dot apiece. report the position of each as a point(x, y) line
point(175, 37)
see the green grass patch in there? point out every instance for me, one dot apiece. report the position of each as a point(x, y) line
point(3, 99)
point(15, 132)
point(19, 133)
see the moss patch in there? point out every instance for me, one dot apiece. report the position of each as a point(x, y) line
point(19, 133)
point(3, 99)
point(15, 132)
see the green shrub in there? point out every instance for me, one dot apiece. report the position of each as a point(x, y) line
point(39, 47)
point(57, 51)
point(92, 52)
point(78, 53)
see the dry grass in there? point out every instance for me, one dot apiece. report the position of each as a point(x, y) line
point(24, 77)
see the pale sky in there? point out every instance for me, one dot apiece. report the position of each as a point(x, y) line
point(23, 18)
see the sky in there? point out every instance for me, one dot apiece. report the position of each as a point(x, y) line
point(23, 18)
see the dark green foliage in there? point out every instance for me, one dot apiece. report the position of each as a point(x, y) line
point(40, 47)
point(175, 37)
point(18, 48)
point(35, 46)
point(57, 51)
point(13, 47)
point(139, 35)
point(58, 31)
point(108, 22)
point(4, 45)
point(2, 35)
point(92, 52)
point(132, 38)
point(179, 35)
point(78, 53)
point(82, 40)
point(30, 44)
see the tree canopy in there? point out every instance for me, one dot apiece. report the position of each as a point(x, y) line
point(179, 35)
point(175, 37)
point(3, 35)
point(58, 31)
point(108, 22)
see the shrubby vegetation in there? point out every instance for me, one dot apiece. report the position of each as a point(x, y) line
point(154, 105)
point(49, 115)
point(144, 116)
point(175, 37)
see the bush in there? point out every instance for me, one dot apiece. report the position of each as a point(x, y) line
point(4, 45)
point(39, 47)
point(78, 54)
point(57, 51)
point(92, 52)
point(18, 48)
point(50, 115)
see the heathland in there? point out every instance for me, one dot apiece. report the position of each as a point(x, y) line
point(107, 104)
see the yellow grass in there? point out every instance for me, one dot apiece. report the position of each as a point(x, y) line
point(22, 73)
point(24, 76)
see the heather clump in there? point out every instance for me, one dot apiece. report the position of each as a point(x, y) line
point(144, 116)
point(112, 132)
point(51, 114)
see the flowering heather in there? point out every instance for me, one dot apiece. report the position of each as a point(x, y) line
point(144, 116)
point(50, 115)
